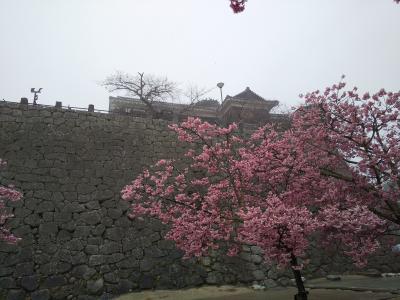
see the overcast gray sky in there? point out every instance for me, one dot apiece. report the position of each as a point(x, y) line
point(279, 48)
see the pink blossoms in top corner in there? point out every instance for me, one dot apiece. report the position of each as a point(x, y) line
point(239, 5)
point(7, 193)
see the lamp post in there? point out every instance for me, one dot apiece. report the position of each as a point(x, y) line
point(220, 85)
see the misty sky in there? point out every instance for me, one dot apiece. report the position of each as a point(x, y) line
point(279, 48)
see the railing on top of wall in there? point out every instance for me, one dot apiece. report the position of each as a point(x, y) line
point(90, 108)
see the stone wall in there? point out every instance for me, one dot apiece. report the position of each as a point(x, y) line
point(77, 242)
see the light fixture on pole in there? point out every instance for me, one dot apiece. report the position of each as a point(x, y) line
point(220, 85)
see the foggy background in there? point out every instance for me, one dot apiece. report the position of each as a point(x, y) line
point(279, 48)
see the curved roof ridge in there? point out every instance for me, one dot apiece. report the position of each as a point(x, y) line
point(248, 94)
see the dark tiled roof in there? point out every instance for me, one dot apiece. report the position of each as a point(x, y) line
point(248, 94)
point(208, 102)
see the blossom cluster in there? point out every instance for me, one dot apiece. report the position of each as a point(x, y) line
point(238, 5)
point(364, 131)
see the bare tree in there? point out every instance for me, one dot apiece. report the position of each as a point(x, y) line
point(193, 95)
point(281, 109)
point(146, 88)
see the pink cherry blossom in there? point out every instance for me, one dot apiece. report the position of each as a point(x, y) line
point(365, 136)
point(238, 5)
point(7, 194)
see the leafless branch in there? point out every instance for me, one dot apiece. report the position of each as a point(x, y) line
point(146, 88)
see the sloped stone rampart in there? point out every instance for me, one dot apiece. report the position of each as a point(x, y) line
point(77, 241)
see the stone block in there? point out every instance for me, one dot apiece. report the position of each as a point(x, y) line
point(4, 271)
point(114, 258)
point(114, 234)
point(245, 276)
point(16, 295)
point(73, 207)
point(7, 283)
point(63, 216)
point(104, 195)
point(166, 244)
point(94, 241)
point(75, 245)
point(155, 252)
point(30, 283)
point(48, 228)
point(269, 283)
point(64, 235)
point(256, 259)
point(246, 256)
point(83, 272)
point(258, 275)
point(85, 188)
point(111, 278)
point(91, 218)
point(214, 278)
point(54, 281)
point(95, 260)
point(33, 220)
point(95, 287)
point(146, 282)
point(206, 261)
point(48, 216)
point(105, 269)
point(93, 205)
point(146, 265)
point(78, 258)
point(92, 249)
point(41, 295)
point(194, 280)
point(82, 232)
point(70, 196)
point(24, 269)
point(128, 263)
point(45, 206)
point(129, 244)
point(62, 267)
point(284, 281)
point(114, 213)
point(99, 230)
point(256, 250)
point(107, 221)
point(44, 195)
point(110, 247)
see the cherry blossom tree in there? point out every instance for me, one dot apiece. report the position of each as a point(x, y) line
point(7, 193)
point(266, 190)
point(239, 5)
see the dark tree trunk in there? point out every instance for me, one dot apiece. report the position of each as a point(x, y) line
point(301, 291)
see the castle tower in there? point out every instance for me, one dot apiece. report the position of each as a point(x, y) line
point(247, 107)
